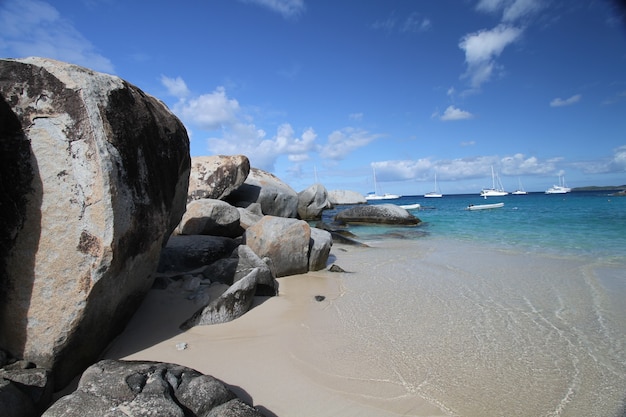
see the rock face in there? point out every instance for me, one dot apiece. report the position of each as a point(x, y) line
point(126, 388)
point(379, 213)
point(216, 176)
point(275, 197)
point(312, 202)
point(210, 217)
point(345, 197)
point(96, 178)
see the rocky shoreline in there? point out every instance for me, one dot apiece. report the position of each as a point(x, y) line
point(102, 202)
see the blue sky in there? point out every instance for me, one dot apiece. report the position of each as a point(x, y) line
point(332, 88)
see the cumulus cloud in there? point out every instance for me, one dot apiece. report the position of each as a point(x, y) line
point(35, 28)
point(289, 9)
point(482, 48)
point(559, 102)
point(247, 139)
point(175, 86)
point(344, 141)
point(616, 163)
point(453, 113)
point(209, 111)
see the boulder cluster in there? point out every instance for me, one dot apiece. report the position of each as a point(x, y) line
point(100, 202)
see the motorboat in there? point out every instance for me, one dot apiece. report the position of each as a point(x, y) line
point(473, 207)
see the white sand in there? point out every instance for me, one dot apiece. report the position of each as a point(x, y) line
point(268, 356)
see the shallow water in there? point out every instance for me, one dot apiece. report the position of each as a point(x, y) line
point(528, 323)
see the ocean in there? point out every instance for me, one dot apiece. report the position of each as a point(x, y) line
point(515, 311)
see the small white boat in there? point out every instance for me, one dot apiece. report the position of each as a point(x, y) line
point(493, 191)
point(386, 196)
point(411, 206)
point(473, 207)
point(436, 193)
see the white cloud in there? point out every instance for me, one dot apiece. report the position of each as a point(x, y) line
point(616, 163)
point(342, 142)
point(175, 86)
point(414, 22)
point(289, 9)
point(35, 28)
point(247, 139)
point(453, 113)
point(209, 111)
point(559, 102)
point(511, 9)
point(482, 48)
point(356, 116)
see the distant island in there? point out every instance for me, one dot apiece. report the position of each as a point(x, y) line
point(617, 190)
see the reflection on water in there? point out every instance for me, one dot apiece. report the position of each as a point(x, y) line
point(480, 332)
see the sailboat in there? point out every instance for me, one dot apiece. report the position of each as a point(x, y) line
point(493, 191)
point(559, 189)
point(376, 196)
point(436, 193)
point(520, 190)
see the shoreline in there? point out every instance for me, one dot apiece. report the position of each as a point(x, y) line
point(413, 328)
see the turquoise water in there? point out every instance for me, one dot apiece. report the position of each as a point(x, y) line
point(515, 311)
point(578, 223)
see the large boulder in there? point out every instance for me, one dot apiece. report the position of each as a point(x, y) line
point(210, 217)
point(312, 202)
point(143, 388)
point(284, 241)
point(94, 178)
point(216, 176)
point(345, 197)
point(377, 214)
point(275, 197)
point(319, 250)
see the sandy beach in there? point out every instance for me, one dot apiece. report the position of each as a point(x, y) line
point(413, 328)
point(264, 355)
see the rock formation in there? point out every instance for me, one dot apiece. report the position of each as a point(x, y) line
point(138, 388)
point(216, 176)
point(377, 214)
point(96, 181)
point(345, 197)
point(275, 197)
point(312, 202)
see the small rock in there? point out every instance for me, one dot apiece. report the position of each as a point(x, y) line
point(335, 268)
point(319, 298)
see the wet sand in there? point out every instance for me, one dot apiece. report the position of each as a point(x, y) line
point(414, 328)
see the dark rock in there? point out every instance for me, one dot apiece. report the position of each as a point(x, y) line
point(121, 388)
point(377, 214)
point(233, 303)
point(186, 253)
point(36, 383)
point(335, 268)
point(13, 402)
point(319, 298)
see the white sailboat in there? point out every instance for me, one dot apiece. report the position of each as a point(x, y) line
point(520, 190)
point(493, 191)
point(559, 189)
point(436, 193)
point(376, 196)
